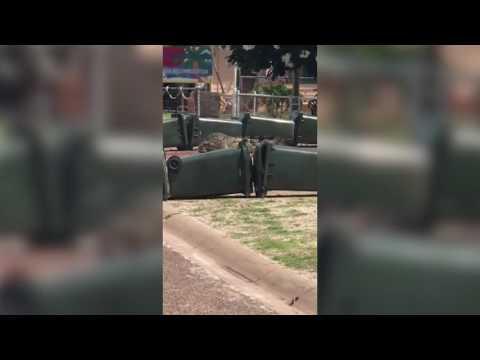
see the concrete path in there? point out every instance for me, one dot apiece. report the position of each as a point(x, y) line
point(237, 267)
point(191, 288)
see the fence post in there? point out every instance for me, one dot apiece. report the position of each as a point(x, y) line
point(254, 102)
point(182, 104)
point(198, 102)
point(239, 101)
point(236, 103)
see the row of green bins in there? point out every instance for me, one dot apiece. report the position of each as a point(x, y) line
point(393, 178)
point(284, 168)
point(385, 273)
point(17, 194)
point(215, 173)
point(230, 171)
point(185, 131)
point(460, 195)
point(126, 286)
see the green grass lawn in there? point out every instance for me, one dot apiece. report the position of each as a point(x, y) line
point(283, 229)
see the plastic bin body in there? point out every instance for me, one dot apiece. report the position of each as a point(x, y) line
point(394, 274)
point(219, 172)
point(390, 178)
point(17, 194)
point(284, 168)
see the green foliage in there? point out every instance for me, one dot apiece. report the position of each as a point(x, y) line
point(279, 58)
point(275, 107)
point(274, 89)
point(377, 52)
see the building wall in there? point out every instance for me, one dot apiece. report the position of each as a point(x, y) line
point(464, 59)
point(225, 71)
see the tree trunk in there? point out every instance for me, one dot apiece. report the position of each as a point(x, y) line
point(247, 86)
point(296, 90)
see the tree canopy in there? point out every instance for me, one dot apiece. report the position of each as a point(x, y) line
point(377, 52)
point(277, 58)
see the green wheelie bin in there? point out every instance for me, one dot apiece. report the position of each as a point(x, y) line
point(42, 198)
point(460, 194)
point(215, 173)
point(268, 128)
point(17, 188)
point(284, 168)
point(206, 126)
point(175, 132)
point(306, 128)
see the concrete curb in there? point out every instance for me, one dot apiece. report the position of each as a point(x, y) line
point(243, 262)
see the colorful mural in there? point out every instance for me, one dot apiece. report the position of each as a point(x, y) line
point(187, 63)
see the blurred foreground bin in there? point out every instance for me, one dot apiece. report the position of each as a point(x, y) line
point(58, 181)
point(218, 172)
point(383, 273)
point(124, 171)
point(284, 168)
point(127, 286)
point(17, 195)
point(461, 189)
point(394, 178)
point(59, 155)
point(39, 177)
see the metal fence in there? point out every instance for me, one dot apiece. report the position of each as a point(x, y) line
point(180, 99)
point(275, 106)
point(264, 104)
point(225, 106)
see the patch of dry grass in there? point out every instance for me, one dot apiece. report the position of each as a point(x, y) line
point(282, 228)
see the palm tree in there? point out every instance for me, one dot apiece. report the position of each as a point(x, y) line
point(198, 57)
